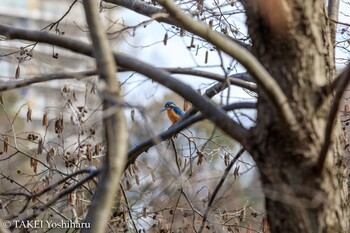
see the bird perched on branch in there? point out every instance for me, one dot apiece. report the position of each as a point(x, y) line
point(174, 112)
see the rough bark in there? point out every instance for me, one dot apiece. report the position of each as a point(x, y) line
point(298, 53)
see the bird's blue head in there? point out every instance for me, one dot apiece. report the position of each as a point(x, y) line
point(169, 104)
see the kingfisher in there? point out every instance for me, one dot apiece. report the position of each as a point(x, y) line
point(173, 111)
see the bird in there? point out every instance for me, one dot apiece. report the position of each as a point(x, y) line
point(173, 111)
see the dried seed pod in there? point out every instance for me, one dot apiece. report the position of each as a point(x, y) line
point(62, 123)
point(88, 152)
point(128, 185)
point(97, 149)
point(132, 114)
point(144, 212)
point(40, 147)
point(226, 159)
point(18, 72)
point(137, 179)
point(192, 43)
point(211, 23)
point(235, 172)
point(71, 120)
point(45, 120)
point(34, 163)
point(6, 144)
point(200, 157)
point(165, 39)
point(206, 57)
point(29, 114)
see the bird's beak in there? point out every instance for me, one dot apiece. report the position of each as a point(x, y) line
point(163, 109)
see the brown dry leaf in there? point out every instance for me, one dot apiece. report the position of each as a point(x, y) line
point(45, 120)
point(18, 72)
point(29, 114)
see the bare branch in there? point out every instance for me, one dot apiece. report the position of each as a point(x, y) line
point(47, 205)
point(149, 11)
point(115, 126)
point(216, 115)
point(253, 66)
point(233, 79)
point(340, 85)
point(182, 124)
point(217, 188)
point(5, 86)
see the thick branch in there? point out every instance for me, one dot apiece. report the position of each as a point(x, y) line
point(253, 66)
point(182, 124)
point(217, 116)
point(115, 126)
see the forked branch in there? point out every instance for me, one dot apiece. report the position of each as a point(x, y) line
point(243, 56)
point(213, 113)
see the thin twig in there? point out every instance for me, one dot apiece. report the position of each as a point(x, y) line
point(217, 188)
point(128, 206)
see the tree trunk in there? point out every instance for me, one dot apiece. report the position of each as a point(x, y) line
point(292, 39)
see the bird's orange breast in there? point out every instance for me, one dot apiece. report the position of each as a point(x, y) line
point(172, 115)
